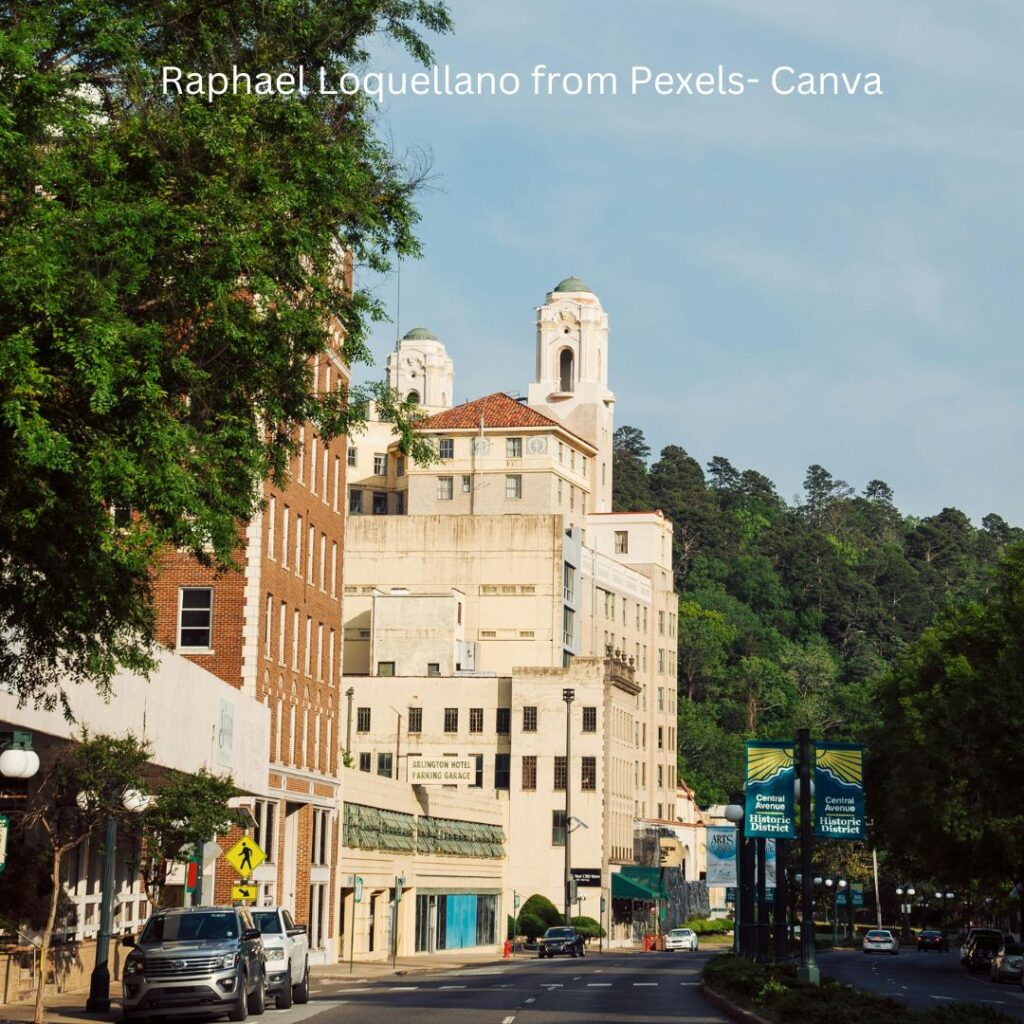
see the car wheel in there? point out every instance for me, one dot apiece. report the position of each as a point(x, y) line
point(257, 1002)
point(540, 954)
point(284, 997)
point(240, 1010)
point(300, 992)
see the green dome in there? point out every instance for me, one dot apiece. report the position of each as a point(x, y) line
point(571, 284)
point(420, 334)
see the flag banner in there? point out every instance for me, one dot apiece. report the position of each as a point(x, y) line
point(721, 845)
point(839, 791)
point(770, 776)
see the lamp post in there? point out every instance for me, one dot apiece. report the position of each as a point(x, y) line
point(808, 972)
point(734, 813)
point(568, 695)
point(99, 982)
point(349, 693)
point(17, 758)
point(908, 891)
point(837, 885)
point(943, 898)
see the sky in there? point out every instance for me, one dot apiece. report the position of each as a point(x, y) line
point(789, 280)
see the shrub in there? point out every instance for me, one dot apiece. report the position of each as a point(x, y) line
point(542, 907)
point(705, 926)
point(588, 928)
point(531, 926)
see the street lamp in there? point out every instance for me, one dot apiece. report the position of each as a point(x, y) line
point(135, 802)
point(838, 884)
point(734, 813)
point(568, 695)
point(908, 891)
point(944, 898)
point(18, 760)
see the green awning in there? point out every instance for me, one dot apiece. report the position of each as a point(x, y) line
point(624, 888)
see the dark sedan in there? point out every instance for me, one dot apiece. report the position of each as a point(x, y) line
point(981, 951)
point(932, 940)
point(562, 940)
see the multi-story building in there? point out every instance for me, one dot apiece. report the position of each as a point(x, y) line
point(272, 629)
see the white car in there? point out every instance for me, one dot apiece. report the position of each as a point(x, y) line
point(881, 940)
point(681, 938)
point(287, 955)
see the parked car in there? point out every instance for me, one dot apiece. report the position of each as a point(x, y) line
point(932, 940)
point(1008, 961)
point(191, 960)
point(881, 940)
point(966, 944)
point(681, 938)
point(287, 955)
point(981, 951)
point(560, 940)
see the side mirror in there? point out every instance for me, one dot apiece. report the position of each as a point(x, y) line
point(299, 929)
point(128, 940)
point(251, 933)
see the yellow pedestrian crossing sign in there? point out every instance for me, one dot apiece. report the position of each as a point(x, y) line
point(245, 892)
point(245, 856)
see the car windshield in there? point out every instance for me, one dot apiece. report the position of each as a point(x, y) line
point(558, 933)
point(186, 927)
point(680, 933)
point(879, 935)
point(930, 935)
point(268, 921)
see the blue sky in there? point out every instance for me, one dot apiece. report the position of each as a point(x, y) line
point(789, 280)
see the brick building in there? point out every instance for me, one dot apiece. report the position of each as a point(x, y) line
point(272, 629)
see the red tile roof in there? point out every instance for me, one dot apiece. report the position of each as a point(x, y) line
point(496, 411)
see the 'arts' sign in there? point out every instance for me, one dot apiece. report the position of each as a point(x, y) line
point(770, 777)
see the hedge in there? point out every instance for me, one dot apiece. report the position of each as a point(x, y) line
point(588, 928)
point(775, 993)
point(712, 926)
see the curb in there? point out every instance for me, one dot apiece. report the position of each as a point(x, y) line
point(730, 1009)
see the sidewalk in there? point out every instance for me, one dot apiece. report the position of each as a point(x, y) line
point(69, 1007)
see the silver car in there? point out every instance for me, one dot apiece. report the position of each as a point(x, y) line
point(681, 938)
point(195, 960)
point(881, 940)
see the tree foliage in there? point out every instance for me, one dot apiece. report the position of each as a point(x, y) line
point(789, 614)
point(172, 272)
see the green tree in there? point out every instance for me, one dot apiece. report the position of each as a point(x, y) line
point(81, 789)
point(705, 639)
point(188, 811)
point(173, 273)
point(631, 490)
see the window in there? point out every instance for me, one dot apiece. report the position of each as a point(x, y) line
point(281, 619)
point(362, 719)
point(364, 762)
point(568, 583)
point(265, 813)
point(309, 553)
point(558, 483)
point(320, 651)
point(661, 737)
point(320, 844)
point(272, 528)
point(384, 765)
point(385, 668)
point(380, 503)
point(415, 719)
point(467, 485)
point(433, 668)
point(399, 504)
point(661, 623)
point(334, 568)
point(530, 771)
point(451, 719)
point(307, 654)
point(298, 545)
point(444, 488)
point(503, 724)
point(661, 698)
point(295, 639)
point(513, 486)
point(588, 777)
point(568, 626)
point(380, 464)
point(558, 828)
point(285, 518)
point(513, 447)
point(590, 719)
point(661, 659)
point(476, 719)
point(661, 778)
point(529, 718)
point(622, 542)
point(195, 618)
point(268, 625)
point(502, 770)
point(446, 448)
point(400, 466)
point(560, 772)
point(323, 561)
point(355, 501)
point(478, 772)
point(351, 455)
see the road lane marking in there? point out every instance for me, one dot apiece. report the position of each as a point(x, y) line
point(645, 984)
point(443, 987)
point(599, 984)
point(508, 1020)
point(950, 998)
point(556, 984)
point(533, 1000)
point(404, 988)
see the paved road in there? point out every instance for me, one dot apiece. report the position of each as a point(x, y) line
point(609, 988)
point(922, 979)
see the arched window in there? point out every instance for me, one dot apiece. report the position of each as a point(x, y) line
point(565, 370)
point(413, 396)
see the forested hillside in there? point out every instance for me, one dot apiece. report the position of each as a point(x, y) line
point(787, 612)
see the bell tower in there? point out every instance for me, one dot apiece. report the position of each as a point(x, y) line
point(421, 369)
point(571, 382)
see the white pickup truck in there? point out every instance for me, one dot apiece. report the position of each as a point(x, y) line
point(287, 955)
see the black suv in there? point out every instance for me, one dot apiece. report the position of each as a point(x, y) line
point(560, 940)
point(188, 960)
